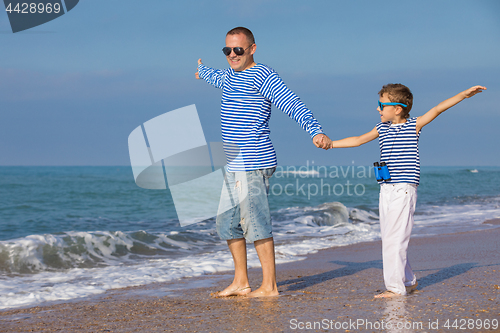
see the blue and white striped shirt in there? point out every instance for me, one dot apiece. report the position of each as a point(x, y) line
point(246, 110)
point(399, 150)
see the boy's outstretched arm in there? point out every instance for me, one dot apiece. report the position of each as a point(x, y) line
point(355, 141)
point(445, 105)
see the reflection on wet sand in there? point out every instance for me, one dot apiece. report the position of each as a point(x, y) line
point(397, 318)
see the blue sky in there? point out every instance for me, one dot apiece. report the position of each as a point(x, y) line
point(73, 89)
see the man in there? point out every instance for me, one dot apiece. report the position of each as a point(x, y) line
point(248, 89)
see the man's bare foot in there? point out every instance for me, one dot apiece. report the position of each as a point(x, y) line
point(387, 294)
point(233, 291)
point(261, 292)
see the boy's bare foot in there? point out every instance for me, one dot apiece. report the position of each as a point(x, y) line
point(233, 291)
point(261, 292)
point(410, 289)
point(387, 294)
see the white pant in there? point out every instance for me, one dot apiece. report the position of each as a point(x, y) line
point(397, 205)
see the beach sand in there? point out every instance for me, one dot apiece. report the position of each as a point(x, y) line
point(332, 290)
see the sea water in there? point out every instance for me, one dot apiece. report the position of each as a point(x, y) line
point(69, 232)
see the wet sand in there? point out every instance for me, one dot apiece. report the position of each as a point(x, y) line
point(332, 290)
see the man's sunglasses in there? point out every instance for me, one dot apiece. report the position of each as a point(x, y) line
point(237, 50)
point(381, 105)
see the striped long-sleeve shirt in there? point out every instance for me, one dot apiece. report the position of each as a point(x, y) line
point(245, 112)
point(399, 150)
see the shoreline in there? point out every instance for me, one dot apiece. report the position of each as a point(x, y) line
point(458, 277)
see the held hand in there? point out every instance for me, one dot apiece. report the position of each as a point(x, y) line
point(322, 141)
point(197, 75)
point(474, 90)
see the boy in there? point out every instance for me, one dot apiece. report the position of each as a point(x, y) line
point(398, 139)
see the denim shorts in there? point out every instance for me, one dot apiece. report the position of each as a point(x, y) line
point(244, 210)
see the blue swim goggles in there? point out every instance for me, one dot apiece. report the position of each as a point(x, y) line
point(381, 105)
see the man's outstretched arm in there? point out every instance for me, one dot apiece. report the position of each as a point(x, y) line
point(212, 76)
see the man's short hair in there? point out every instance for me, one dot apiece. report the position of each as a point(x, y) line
point(242, 30)
point(398, 93)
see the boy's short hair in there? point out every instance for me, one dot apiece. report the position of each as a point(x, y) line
point(242, 30)
point(399, 93)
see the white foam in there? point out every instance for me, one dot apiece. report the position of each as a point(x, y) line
point(302, 172)
point(80, 282)
point(298, 233)
point(454, 218)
